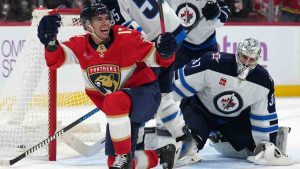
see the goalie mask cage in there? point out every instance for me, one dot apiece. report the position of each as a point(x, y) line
point(36, 102)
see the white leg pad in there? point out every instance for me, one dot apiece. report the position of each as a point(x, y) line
point(153, 141)
point(227, 150)
point(281, 138)
point(170, 114)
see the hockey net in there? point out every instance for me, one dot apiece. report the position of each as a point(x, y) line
point(24, 101)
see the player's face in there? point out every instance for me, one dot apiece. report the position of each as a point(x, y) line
point(247, 61)
point(101, 25)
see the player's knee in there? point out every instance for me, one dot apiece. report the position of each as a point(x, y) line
point(117, 103)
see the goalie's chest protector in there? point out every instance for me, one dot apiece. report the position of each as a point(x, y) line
point(213, 77)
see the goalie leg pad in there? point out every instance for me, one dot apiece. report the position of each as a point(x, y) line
point(227, 150)
point(281, 138)
point(269, 155)
point(170, 114)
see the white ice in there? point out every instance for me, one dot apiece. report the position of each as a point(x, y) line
point(288, 110)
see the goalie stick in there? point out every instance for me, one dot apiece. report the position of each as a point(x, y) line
point(48, 140)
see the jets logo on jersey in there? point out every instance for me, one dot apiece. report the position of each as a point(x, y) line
point(105, 78)
point(188, 14)
point(228, 102)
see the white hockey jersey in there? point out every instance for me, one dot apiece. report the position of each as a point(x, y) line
point(190, 14)
point(213, 78)
point(145, 13)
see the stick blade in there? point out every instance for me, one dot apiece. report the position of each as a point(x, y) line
point(5, 163)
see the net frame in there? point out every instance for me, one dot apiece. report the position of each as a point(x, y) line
point(70, 17)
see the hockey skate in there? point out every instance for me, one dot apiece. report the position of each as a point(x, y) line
point(166, 155)
point(122, 161)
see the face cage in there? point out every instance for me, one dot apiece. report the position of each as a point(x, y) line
point(244, 70)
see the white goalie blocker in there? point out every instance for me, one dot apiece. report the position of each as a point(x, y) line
point(265, 153)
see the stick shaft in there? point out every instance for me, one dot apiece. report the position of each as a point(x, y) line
point(49, 139)
point(161, 16)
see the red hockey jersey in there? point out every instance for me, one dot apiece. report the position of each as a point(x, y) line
point(126, 63)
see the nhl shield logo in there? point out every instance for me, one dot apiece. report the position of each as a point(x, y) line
point(106, 77)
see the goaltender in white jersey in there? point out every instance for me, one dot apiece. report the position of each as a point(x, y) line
point(233, 96)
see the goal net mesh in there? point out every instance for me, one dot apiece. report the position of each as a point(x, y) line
point(24, 101)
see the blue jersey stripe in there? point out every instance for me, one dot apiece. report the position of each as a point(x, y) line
point(140, 29)
point(180, 37)
point(169, 118)
point(267, 117)
point(180, 93)
point(184, 83)
point(265, 130)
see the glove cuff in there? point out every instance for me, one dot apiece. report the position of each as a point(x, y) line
point(52, 46)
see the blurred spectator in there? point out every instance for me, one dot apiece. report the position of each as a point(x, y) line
point(244, 10)
point(80, 3)
point(239, 8)
point(4, 8)
point(51, 4)
point(289, 10)
point(20, 10)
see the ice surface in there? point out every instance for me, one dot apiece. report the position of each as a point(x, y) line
point(288, 110)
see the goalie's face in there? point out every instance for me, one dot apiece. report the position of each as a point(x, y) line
point(247, 56)
point(101, 25)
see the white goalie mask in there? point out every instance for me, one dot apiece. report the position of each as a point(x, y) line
point(248, 53)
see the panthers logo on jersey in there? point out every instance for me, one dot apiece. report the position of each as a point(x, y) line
point(188, 14)
point(105, 78)
point(228, 102)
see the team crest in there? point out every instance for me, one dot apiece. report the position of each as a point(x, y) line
point(228, 102)
point(188, 14)
point(106, 78)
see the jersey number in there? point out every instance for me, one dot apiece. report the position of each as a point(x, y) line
point(149, 7)
point(115, 16)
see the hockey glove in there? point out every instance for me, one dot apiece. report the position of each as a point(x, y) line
point(48, 28)
point(211, 10)
point(166, 44)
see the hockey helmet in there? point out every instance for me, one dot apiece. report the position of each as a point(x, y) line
point(248, 53)
point(91, 10)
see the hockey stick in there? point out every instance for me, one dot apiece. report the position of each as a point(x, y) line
point(90, 150)
point(82, 148)
point(48, 140)
point(161, 16)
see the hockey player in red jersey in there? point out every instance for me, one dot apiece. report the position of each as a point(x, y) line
point(115, 63)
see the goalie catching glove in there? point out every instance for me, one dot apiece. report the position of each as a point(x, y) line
point(166, 44)
point(269, 154)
